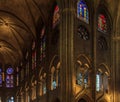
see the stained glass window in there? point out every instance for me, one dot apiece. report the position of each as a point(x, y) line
point(102, 43)
point(97, 82)
point(82, 11)
point(54, 84)
point(86, 80)
point(11, 99)
point(42, 44)
point(1, 77)
point(82, 74)
point(9, 77)
point(82, 79)
point(83, 33)
point(102, 24)
point(33, 56)
point(44, 88)
point(79, 79)
point(56, 16)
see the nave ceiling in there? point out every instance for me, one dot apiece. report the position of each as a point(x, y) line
point(18, 19)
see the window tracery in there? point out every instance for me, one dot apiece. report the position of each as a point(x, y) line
point(82, 74)
point(83, 33)
point(102, 43)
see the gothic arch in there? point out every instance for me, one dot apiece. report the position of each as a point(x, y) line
point(85, 58)
point(40, 72)
point(104, 68)
point(54, 70)
point(54, 61)
point(32, 79)
point(103, 75)
point(103, 100)
point(102, 8)
point(84, 98)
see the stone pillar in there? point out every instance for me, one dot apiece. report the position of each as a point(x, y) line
point(116, 58)
point(116, 68)
point(66, 50)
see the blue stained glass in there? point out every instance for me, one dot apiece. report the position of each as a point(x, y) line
point(82, 11)
point(54, 84)
point(9, 77)
point(9, 70)
point(0, 70)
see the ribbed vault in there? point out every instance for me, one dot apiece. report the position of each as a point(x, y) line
point(18, 20)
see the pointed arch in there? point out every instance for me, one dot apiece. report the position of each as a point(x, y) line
point(103, 75)
point(104, 68)
point(84, 98)
point(54, 59)
point(83, 67)
point(104, 19)
point(56, 15)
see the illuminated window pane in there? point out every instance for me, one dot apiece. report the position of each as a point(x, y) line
point(11, 99)
point(102, 26)
point(82, 11)
point(79, 79)
point(9, 77)
point(98, 82)
point(44, 88)
point(86, 80)
point(54, 84)
point(56, 16)
point(42, 44)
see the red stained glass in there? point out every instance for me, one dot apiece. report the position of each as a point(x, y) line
point(56, 16)
point(102, 26)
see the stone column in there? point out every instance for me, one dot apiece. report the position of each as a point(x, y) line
point(116, 68)
point(66, 50)
point(116, 58)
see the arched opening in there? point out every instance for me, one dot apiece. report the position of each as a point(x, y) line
point(56, 100)
point(82, 100)
point(42, 82)
point(55, 72)
point(102, 78)
point(82, 71)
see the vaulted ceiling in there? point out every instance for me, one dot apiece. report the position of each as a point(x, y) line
point(18, 19)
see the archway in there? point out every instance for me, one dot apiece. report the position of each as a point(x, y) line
point(56, 100)
point(82, 100)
